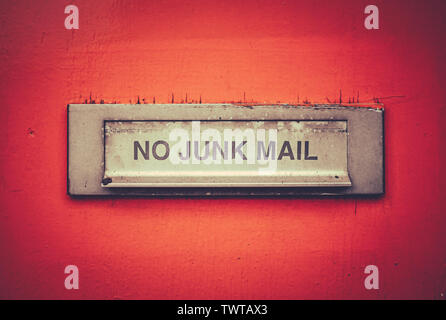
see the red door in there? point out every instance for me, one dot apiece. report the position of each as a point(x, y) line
point(221, 51)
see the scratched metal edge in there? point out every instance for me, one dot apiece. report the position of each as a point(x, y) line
point(230, 195)
point(245, 192)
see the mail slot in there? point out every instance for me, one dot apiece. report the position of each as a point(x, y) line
point(225, 153)
point(230, 150)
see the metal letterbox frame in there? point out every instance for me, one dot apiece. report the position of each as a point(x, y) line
point(85, 167)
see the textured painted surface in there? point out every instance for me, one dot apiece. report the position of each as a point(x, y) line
point(266, 51)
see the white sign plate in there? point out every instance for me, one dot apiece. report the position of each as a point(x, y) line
point(251, 153)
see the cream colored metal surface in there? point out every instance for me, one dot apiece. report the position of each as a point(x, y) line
point(226, 154)
point(86, 147)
